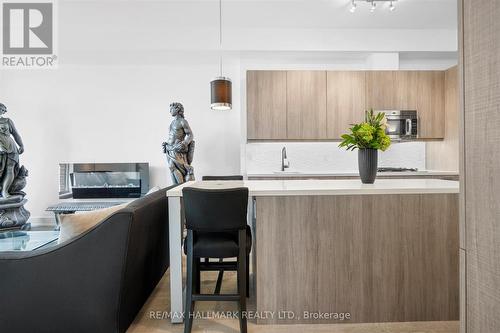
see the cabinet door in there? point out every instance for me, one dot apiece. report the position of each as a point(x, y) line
point(406, 90)
point(430, 104)
point(266, 105)
point(391, 90)
point(410, 90)
point(381, 90)
point(306, 105)
point(345, 101)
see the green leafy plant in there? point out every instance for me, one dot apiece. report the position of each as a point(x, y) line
point(369, 134)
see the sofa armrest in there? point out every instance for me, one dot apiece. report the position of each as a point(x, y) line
point(71, 287)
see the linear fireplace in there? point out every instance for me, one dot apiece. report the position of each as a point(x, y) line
point(103, 180)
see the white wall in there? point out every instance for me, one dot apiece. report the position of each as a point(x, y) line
point(114, 114)
point(123, 62)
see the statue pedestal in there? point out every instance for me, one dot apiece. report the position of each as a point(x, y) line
point(12, 212)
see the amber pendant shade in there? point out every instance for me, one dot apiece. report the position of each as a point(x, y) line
point(221, 94)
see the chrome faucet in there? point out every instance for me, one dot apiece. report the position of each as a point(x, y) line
point(284, 161)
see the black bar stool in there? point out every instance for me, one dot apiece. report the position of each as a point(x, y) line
point(220, 277)
point(216, 222)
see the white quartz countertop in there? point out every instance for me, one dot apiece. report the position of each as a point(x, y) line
point(327, 187)
point(300, 174)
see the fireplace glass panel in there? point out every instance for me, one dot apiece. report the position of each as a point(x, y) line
point(112, 180)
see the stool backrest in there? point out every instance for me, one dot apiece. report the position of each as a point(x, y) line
point(215, 210)
point(236, 177)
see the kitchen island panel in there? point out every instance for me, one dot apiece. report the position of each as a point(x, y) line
point(380, 258)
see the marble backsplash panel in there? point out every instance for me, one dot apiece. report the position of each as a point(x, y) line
point(326, 157)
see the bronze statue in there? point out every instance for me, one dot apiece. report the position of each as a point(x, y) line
point(180, 146)
point(12, 175)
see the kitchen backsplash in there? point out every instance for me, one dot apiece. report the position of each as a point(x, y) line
point(326, 157)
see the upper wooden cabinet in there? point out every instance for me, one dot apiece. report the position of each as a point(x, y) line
point(266, 105)
point(306, 105)
point(381, 90)
point(319, 105)
point(391, 90)
point(410, 90)
point(406, 84)
point(345, 101)
point(430, 104)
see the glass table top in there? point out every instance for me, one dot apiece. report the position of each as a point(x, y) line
point(19, 240)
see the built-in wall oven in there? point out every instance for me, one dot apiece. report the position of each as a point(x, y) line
point(401, 124)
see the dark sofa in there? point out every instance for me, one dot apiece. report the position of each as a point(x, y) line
point(96, 282)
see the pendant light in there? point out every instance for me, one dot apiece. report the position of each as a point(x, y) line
point(221, 86)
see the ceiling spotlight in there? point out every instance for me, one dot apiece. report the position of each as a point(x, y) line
point(373, 4)
point(391, 7)
point(353, 7)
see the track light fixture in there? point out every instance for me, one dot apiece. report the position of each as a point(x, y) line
point(391, 7)
point(373, 4)
point(353, 7)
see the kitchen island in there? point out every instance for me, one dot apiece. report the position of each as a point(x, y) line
point(381, 252)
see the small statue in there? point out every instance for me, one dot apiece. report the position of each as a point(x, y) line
point(12, 175)
point(180, 146)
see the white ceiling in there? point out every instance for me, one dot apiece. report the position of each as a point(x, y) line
point(410, 14)
point(144, 26)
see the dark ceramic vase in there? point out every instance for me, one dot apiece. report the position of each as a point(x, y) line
point(367, 164)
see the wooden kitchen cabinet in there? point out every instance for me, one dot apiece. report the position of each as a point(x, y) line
point(345, 101)
point(306, 105)
point(410, 90)
point(266, 105)
point(381, 90)
point(406, 88)
point(320, 105)
point(430, 104)
point(391, 90)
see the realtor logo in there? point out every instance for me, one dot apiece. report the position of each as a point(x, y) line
point(28, 34)
point(27, 28)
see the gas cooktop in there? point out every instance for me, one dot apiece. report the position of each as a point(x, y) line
point(397, 169)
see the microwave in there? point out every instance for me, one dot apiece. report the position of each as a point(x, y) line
point(401, 124)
